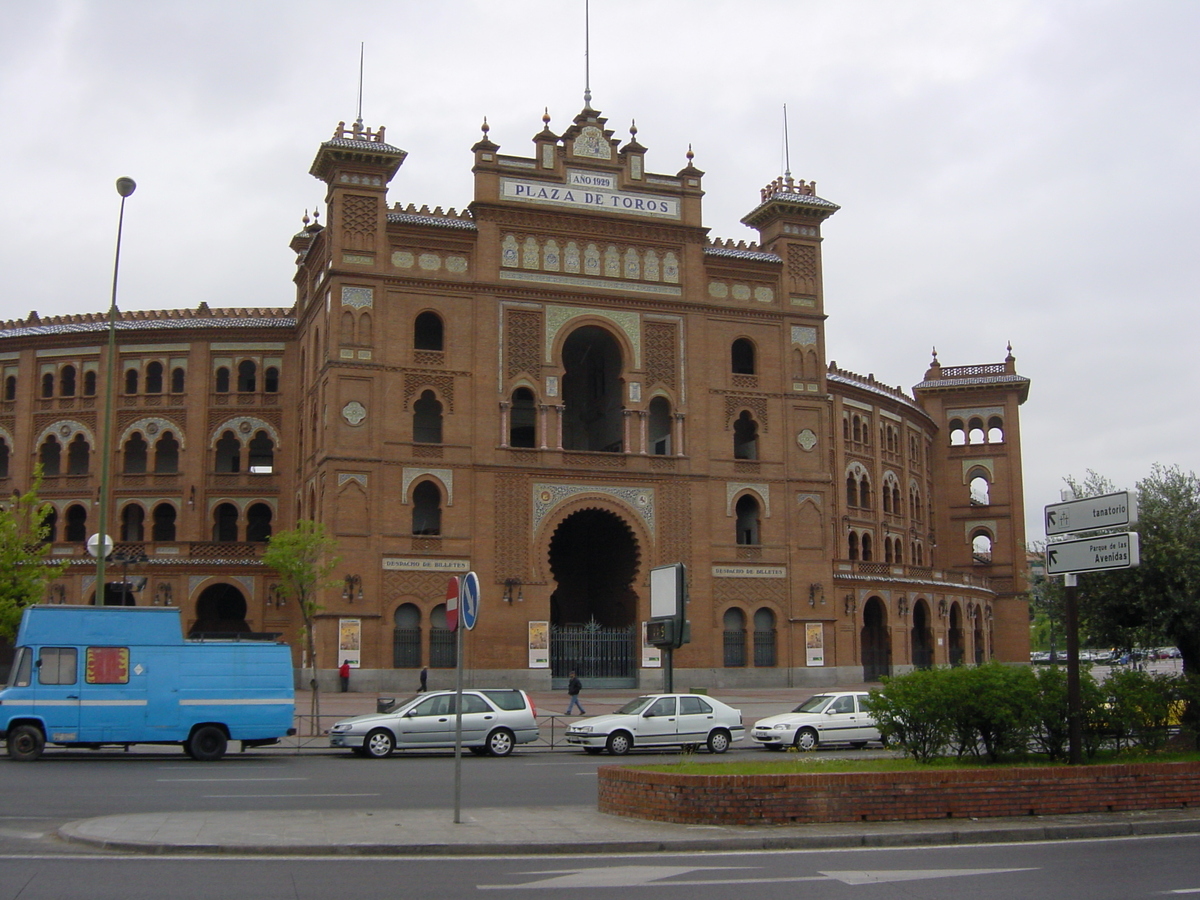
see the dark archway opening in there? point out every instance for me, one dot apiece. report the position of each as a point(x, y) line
point(922, 637)
point(956, 636)
point(592, 402)
point(876, 652)
point(594, 560)
point(220, 612)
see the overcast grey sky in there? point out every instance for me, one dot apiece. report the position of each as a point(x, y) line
point(1008, 170)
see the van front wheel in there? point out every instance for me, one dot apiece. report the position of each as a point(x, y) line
point(207, 744)
point(25, 743)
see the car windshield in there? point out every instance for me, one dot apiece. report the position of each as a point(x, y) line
point(814, 704)
point(635, 706)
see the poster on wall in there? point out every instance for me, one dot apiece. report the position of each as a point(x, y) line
point(350, 642)
point(651, 655)
point(814, 643)
point(539, 645)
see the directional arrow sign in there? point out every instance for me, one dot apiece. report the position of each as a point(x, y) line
point(1092, 513)
point(1109, 551)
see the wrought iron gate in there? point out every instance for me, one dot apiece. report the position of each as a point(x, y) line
point(602, 657)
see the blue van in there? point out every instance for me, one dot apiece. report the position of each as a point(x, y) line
point(84, 676)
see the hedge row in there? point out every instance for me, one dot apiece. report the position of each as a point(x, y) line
point(1002, 711)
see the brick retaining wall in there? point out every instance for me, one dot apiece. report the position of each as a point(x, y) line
point(879, 796)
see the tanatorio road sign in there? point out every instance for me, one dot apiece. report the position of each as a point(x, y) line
point(1108, 551)
point(1092, 513)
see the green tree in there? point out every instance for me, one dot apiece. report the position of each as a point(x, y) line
point(1159, 600)
point(302, 558)
point(25, 569)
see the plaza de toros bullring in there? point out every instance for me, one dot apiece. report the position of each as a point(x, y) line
point(559, 387)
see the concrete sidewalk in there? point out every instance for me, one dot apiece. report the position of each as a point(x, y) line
point(567, 829)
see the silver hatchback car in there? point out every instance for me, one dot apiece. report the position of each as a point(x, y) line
point(494, 721)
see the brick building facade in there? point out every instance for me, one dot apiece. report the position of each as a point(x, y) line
point(560, 387)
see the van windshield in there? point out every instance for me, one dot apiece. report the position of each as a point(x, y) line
point(22, 666)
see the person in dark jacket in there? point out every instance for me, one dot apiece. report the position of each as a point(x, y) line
point(573, 689)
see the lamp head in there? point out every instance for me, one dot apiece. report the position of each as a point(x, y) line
point(126, 186)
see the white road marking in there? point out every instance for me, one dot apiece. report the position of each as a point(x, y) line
point(198, 780)
point(272, 796)
point(641, 876)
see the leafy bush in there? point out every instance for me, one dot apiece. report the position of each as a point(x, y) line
point(997, 709)
point(913, 711)
point(1140, 707)
point(1051, 734)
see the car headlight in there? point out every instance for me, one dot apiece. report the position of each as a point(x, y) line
point(581, 729)
point(340, 728)
point(781, 727)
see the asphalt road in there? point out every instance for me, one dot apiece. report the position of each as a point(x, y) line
point(1113, 869)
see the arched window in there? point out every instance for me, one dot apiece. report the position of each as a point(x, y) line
point(852, 545)
point(163, 526)
point(428, 332)
point(166, 454)
point(364, 328)
point(958, 433)
point(258, 523)
point(134, 455)
point(427, 509)
point(980, 491)
point(845, 428)
point(864, 493)
point(50, 456)
point(229, 453)
point(981, 548)
point(76, 529)
point(522, 419)
point(347, 327)
point(48, 385)
point(406, 637)
point(858, 430)
point(745, 437)
point(851, 491)
point(10, 387)
point(975, 434)
point(427, 419)
point(225, 523)
point(133, 523)
point(866, 548)
point(734, 623)
point(154, 378)
point(79, 456)
point(247, 381)
point(89, 384)
point(262, 454)
point(222, 381)
point(742, 357)
point(271, 380)
point(747, 511)
point(4, 454)
point(896, 507)
point(995, 433)
point(50, 523)
point(178, 375)
point(887, 499)
point(66, 385)
point(659, 427)
point(132, 376)
point(887, 550)
point(764, 637)
point(442, 653)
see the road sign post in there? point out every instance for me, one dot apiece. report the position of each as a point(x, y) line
point(1093, 553)
point(466, 601)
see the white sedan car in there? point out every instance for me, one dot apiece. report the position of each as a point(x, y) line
point(842, 718)
point(661, 720)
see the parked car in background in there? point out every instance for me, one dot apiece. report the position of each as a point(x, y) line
point(494, 721)
point(834, 718)
point(661, 720)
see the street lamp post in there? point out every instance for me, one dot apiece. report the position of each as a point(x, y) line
point(125, 187)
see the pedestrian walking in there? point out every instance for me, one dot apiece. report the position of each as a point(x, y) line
point(573, 688)
point(344, 675)
point(424, 681)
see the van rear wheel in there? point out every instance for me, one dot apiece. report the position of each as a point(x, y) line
point(25, 743)
point(207, 744)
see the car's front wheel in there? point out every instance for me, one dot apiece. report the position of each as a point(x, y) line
point(718, 741)
point(25, 743)
point(619, 743)
point(379, 744)
point(807, 739)
point(501, 742)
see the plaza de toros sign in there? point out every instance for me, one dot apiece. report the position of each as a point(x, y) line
point(592, 191)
